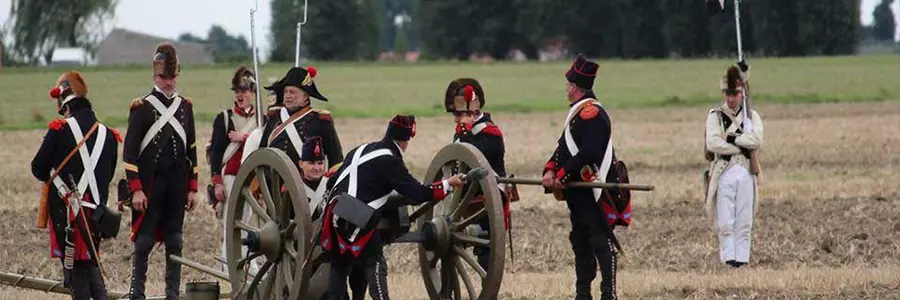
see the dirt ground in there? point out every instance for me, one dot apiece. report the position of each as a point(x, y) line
point(828, 224)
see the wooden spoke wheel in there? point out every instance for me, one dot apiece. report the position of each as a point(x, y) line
point(471, 217)
point(268, 215)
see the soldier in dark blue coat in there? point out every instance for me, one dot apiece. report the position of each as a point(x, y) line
point(91, 167)
point(584, 152)
point(297, 120)
point(465, 99)
point(160, 159)
point(372, 173)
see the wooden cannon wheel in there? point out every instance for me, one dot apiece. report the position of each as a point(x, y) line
point(447, 261)
point(268, 212)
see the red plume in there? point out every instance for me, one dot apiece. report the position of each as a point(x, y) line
point(312, 71)
point(469, 93)
point(316, 151)
point(55, 92)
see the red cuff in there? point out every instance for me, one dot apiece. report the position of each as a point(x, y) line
point(439, 190)
point(192, 185)
point(562, 175)
point(217, 179)
point(134, 185)
point(550, 166)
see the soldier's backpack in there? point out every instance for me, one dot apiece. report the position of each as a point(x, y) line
point(616, 202)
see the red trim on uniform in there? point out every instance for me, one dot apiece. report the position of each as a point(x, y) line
point(326, 117)
point(116, 135)
point(192, 185)
point(550, 166)
point(463, 127)
point(217, 179)
point(360, 244)
point(134, 185)
point(587, 174)
point(326, 240)
point(492, 129)
point(590, 111)
point(57, 124)
point(561, 174)
point(438, 189)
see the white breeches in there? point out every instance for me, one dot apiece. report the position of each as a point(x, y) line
point(228, 180)
point(734, 210)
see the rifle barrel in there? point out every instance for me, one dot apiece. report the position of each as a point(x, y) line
point(593, 185)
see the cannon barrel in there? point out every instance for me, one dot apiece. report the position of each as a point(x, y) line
point(593, 185)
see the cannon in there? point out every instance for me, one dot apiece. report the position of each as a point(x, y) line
point(293, 265)
point(283, 231)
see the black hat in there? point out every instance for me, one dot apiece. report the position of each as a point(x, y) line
point(461, 93)
point(276, 90)
point(401, 128)
point(582, 72)
point(243, 80)
point(303, 79)
point(312, 150)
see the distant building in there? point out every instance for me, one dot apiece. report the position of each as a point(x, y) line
point(123, 47)
point(71, 57)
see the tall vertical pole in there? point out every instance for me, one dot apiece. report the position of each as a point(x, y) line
point(259, 108)
point(299, 28)
point(737, 29)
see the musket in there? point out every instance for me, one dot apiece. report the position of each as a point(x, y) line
point(754, 159)
point(299, 27)
point(259, 115)
point(572, 185)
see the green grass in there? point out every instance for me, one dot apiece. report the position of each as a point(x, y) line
point(381, 90)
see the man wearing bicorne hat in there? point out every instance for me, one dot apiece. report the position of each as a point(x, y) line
point(92, 148)
point(584, 150)
point(160, 159)
point(297, 120)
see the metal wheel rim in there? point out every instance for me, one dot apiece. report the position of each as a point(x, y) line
point(276, 167)
point(488, 287)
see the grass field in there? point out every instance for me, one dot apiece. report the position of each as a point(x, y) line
point(379, 90)
point(829, 219)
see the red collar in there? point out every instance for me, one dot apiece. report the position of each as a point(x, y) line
point(240, 112)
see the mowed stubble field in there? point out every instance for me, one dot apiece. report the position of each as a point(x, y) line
point(828, 226)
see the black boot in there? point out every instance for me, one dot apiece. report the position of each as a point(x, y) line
point(173, 269)
point(608, 268)
point(142, 247)
point(585, 265)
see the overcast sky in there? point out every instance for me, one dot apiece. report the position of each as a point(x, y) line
point(196, 17)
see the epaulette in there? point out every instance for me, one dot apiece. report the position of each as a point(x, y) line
point(57, 124)
point(115, 134)
point(492, 129)
point(136, 102)
point(187, 100)
point(324, 114)
point(331, 171)
point(589, 110)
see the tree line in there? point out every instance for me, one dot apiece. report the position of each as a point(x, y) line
point(462, 29)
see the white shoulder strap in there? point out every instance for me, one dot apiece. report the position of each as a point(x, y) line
point(167, 117)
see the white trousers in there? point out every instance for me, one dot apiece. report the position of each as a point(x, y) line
point(228, 180)
point(734, 210)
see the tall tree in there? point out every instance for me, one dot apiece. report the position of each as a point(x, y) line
point(884, 26)
point(39, 26)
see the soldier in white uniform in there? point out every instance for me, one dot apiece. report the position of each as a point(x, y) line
point(732, 134)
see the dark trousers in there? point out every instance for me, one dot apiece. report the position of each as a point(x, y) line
point(165, 212)
point(370, 262)
point(84, 281)
point(592, 244)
